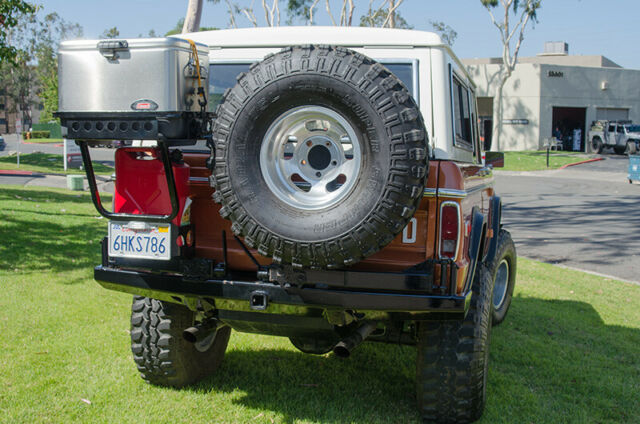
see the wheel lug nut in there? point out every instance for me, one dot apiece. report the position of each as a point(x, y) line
point(318, 174)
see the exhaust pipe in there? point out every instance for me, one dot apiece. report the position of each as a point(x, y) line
point(343, 348)
point(199, 332)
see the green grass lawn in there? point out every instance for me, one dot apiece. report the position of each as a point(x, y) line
point(47, 163)
point(568, 351)
point(537, 160)
point(43, 140)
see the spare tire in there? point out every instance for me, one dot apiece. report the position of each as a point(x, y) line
point(320, 156)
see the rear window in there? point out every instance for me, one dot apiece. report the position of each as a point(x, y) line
point(404, 72)
point(223, 76)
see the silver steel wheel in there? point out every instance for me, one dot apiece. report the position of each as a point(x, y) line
point(501, 284)
point(310, 157)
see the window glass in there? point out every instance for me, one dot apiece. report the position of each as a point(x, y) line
point(612, 128)
point(221, 77)
point(404, 72)
point(462, 113)
point(620, 129)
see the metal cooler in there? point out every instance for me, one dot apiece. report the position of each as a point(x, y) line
point(131, 89)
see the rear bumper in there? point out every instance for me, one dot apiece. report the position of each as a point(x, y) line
point(236, 295)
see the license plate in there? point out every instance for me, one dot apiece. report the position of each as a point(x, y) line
point(139, 240)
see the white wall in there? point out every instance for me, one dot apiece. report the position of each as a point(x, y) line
point(521, 100)
point(531, 94)
point(582, 87)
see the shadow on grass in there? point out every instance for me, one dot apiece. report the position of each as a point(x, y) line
point(36, 235)
point(551, 361)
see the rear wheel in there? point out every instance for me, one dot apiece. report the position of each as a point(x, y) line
point(596, 145)
point(162, 355)
point(453, 360)
point(502, 270)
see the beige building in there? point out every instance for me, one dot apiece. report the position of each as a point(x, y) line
point(554, 90)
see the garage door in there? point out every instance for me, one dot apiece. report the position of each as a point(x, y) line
point(612, 114)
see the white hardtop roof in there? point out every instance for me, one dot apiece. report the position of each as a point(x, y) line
point(291, 35)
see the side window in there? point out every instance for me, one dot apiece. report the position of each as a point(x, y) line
point(221, 77)
point(461, 114)
point(621, 129)
point(612, 128)
point(477, 146)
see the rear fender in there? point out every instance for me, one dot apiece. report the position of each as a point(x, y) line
point(478, 231)
point(496, 218)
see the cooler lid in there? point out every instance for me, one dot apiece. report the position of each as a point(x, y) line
point(134, 43)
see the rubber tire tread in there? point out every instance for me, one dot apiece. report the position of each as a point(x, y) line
point(620, 150)
point(399, 198)
point(452, 360)
point(160, 352)
point(506, 249)
point(599, 145)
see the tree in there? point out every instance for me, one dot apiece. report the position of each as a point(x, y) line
point(36, 73)
point(522, 12)
point(10, 13)
point(178, 29)
point(192, 18)
point(50, 31)
point(111, 33)
point(447, 33)
point(385, 16)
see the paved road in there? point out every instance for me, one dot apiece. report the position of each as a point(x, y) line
point(586, 217)
point(99, 154)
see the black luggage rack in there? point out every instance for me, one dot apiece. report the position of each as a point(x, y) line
point(169, 129)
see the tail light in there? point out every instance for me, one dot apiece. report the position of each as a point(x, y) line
point(449, 229)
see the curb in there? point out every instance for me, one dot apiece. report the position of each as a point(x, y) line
point(580, 163)
point(14, 172)
point(100, 178)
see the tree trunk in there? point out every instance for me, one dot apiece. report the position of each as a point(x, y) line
point(392, 19)
point(192, 18)
point(497, 124)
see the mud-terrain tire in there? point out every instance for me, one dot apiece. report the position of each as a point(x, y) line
point(313, 345)
point(320, 156)
point(596, 145)
point(502, 270)
point(453, 358)
point(162, 355)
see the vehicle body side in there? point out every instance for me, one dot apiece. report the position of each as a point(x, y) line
point(614, 134)
point(455, 175)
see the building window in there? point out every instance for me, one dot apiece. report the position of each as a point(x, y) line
point(1, 106)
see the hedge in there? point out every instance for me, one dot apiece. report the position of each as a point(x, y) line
point(35, 134)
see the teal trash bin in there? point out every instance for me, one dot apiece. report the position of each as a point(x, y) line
point(634, 168)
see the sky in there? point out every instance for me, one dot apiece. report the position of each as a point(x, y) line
point(590, 27)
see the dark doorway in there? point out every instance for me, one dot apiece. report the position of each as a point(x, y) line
point(487, 132)
point(567, 120)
